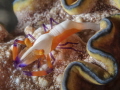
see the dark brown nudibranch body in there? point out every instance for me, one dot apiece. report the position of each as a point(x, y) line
point(104, 46)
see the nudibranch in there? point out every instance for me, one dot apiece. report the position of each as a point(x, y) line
point(115, 3)
point(7, 16)
point(104, 46)
point(74, 7)
point(19, 5)
point(40, 48)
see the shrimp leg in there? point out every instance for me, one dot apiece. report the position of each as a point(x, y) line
point(15, 50)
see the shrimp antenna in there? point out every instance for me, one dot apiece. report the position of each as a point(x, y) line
point(51, 24)
point(29, 35)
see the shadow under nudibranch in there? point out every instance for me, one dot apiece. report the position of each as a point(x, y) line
point(7, 16)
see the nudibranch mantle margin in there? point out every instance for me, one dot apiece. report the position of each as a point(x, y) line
point(74, 7)
point(96, 48)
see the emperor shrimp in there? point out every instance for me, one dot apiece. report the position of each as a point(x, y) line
point(45, 44)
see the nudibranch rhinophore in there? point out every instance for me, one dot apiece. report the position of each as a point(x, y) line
point(104, 46)
point(73, 7)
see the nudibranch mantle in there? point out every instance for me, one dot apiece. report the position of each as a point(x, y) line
point(18, 5)
point(73, 7)
point(104, 47)
point(105, 57)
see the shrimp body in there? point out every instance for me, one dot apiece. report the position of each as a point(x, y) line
point(49, 41)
